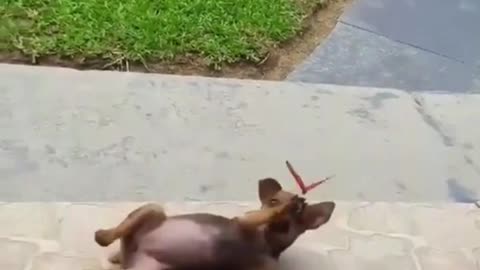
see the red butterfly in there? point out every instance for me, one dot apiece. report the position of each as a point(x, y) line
point(300, 182)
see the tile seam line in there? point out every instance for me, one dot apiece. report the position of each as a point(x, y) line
point(404, 43)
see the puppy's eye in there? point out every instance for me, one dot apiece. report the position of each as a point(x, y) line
point(273, 201)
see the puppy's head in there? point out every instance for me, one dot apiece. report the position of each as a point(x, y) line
point(280, 235)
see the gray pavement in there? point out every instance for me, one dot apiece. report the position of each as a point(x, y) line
point(68, 135)
point(416, 45)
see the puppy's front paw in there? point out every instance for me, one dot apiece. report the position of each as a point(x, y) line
point(104, 237)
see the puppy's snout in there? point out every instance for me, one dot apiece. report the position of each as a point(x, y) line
point(298, 207)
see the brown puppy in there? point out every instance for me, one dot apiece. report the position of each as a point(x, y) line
point(152, 241)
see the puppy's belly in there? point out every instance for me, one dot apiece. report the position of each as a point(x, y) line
point(179, 242)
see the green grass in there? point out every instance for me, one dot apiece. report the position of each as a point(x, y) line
point(139, 30)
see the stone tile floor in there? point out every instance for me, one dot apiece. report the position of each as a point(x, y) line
point(360, 236)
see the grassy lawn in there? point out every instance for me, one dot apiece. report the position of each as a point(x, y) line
point(218, 31)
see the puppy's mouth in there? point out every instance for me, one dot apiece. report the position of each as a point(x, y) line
point(283, 225)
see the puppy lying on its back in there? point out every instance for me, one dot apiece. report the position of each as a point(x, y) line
point(152, 241)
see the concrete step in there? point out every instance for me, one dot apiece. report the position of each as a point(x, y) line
point(102, 136)
point(360, 236)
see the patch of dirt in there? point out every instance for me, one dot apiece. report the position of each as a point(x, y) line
point(276, 65)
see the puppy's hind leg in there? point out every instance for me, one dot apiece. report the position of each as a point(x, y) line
point(116, 258)
point(130, 224)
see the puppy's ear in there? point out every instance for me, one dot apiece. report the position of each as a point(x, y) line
point(316, 215)
point(267, 188)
